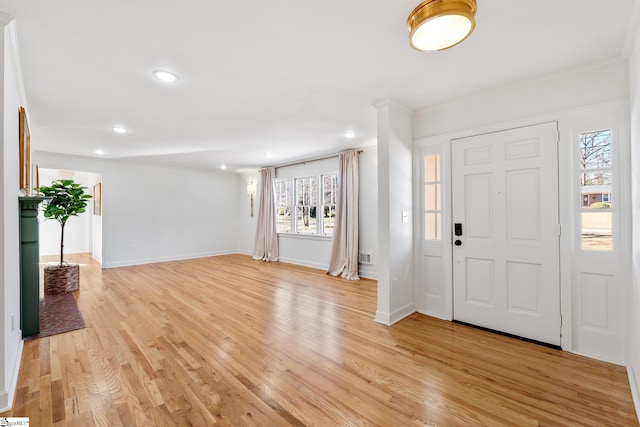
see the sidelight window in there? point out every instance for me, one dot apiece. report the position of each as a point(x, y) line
point(596, 199)
point(432, 199)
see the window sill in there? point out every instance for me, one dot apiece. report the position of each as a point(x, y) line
point(305, 236)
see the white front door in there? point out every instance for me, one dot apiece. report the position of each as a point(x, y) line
point(506, 261)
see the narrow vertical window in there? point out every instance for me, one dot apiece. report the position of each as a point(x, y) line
point(306, 205)
point(432, 204)
point(596, 198)
point(329, 196)
point(283, 196)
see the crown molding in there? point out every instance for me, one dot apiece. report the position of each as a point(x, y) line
point(633, 31)
point(13, 49)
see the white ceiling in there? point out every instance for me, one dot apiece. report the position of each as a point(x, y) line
point(288, 77)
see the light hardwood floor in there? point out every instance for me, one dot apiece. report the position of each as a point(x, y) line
point(230, 341)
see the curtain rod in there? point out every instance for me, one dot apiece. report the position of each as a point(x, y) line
point(313, 159)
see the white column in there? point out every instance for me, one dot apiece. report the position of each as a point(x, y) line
point(396, 298)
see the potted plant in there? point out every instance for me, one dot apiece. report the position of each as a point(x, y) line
point(66, 198)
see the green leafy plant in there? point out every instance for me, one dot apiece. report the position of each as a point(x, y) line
point(600, 205)
point(67, 199)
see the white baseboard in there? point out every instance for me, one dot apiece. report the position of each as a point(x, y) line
point(396, 316)
point(164, 259)
point(635, 388)
point(305, 263)
point(7, 396)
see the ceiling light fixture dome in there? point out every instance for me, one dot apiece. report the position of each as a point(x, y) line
point(118, 129)
point(165, 76)
point(441, 24)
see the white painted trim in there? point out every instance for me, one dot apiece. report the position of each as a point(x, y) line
point(304, 263)
point(304, 236)
point(442, 147)
point(6, 397)
point(633, 33)
point(99, 260)
point(324, 268)
point(364, 275)
point(635, 387)
point(389, 319)
point(383, 318)
point(368, 275)
point(165, 259)
point(602, 358)
point(13, 50)
point(565, 152)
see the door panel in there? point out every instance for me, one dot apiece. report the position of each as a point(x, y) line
point(506, 268)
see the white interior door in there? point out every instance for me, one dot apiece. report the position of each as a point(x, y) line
point(506, 261)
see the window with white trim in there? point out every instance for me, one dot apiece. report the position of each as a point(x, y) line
point(596, 171)
point(283, 200)
point(306, 205)
point(432, 204)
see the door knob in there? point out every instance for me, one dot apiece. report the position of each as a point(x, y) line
point(458, 243)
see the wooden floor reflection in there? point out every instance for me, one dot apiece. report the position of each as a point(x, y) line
point(231, 341)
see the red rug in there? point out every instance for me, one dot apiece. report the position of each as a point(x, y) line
point(58, 314)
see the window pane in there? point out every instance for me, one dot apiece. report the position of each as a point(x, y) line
point(596, 177)
point(329, 197)
point(432, 197)
point(595, 150)
point(596, 200)
point(283, 197)
point(306, 221)
point(432, 168)
point(329, 219)
point(329, 189)
point(596, 230)
point(432, 226)
point(306, 205)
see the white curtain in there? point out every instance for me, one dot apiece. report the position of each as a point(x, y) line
point(344, 254)
point(265, 247)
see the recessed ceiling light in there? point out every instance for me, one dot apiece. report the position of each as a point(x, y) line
point(350, 134)
point(99, 151)
point(118, 129)
point(268, 155)
point(223, 167)
point(165, 76)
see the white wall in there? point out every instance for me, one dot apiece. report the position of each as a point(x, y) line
point(247, 223)
point(634, 295)
point(368, 219)
point(79, 233)
point(313, 251)
point(155, 214)
point(13, 98)
point(572, 89)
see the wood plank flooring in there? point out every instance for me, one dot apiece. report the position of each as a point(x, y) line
point(230, 341)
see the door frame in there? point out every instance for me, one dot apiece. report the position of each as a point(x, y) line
point(442, 307)
point(547, 326)
point(574, 335)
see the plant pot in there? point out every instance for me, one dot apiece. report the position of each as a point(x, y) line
point(61, 279)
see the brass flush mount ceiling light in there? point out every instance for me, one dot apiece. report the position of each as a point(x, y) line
point(441, 24)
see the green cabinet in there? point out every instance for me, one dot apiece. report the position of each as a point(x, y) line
point(29, 266)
